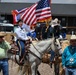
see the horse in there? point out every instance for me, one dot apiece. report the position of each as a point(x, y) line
point(36, 52)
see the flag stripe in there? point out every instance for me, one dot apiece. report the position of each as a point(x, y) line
point(30, 13)
point(27, 17)
point(23, 15)
point(31, 17)
point(42, 14)
point(42, 9)
point(45, 12)
point(33, 21)
point(42, 17)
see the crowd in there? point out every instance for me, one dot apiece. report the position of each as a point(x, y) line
point(53, 28)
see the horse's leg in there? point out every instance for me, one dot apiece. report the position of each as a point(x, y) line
point(38, 73)
point(34, 68)
point(20, 70)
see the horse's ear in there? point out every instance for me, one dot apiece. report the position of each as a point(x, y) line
point(54, 39)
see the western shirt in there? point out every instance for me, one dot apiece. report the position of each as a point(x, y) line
point(21, 33)
point(4, 47)
point(69, 56)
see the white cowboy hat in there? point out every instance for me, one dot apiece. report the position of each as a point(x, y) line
point(55, 20)
point(2, 34)
point(73, 37)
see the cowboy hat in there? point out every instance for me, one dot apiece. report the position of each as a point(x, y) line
point(2, 34)
point(55, 20)
point(73, 37)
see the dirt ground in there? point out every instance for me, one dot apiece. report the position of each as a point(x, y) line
point(13, 68)
point(43, 68)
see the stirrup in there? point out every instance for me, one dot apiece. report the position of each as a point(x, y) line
point(21, 60)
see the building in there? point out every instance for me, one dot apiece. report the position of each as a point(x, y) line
point(64, 11)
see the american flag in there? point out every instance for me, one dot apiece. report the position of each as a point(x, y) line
point(38, 12)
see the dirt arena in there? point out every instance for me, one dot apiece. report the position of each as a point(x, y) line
point(44, 69)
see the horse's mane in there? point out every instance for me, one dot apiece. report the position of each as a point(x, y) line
point(42, 42)
point(42, 45)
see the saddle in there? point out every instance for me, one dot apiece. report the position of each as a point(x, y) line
point(15, 51)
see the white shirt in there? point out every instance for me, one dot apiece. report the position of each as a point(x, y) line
point(21, 34)
point(27, 27)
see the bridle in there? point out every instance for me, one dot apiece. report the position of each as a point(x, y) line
point(39, 52)
point(36, 49)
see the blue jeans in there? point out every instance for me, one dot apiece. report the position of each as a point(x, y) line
point(4, 66)
point(70, 71)
point(21, 46)
point(52, 55)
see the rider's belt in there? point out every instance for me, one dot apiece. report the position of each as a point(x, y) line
point(71, 67)
point(20, 40)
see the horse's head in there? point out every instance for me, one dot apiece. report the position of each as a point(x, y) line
point(52, 44)
point(58, 46)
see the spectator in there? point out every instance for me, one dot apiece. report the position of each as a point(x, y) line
point(57, 27)
point(4, 47)
point(69, 57)
point(44, 32)
point(64, 34)
point(38, 30)
point(50, 31)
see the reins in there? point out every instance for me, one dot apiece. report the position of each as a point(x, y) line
point(35, 55)
point(38, 51)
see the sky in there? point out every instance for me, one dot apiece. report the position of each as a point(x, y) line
point(33, 1)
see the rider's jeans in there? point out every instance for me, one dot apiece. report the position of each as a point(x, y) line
point(70, 71)
point(4, 66)
point(21, 46)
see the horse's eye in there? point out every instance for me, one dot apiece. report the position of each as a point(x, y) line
point(57, 45)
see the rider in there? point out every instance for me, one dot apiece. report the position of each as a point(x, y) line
point(21, 36)
point(56, 28)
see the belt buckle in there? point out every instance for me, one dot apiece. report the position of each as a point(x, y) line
point(70, 66)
